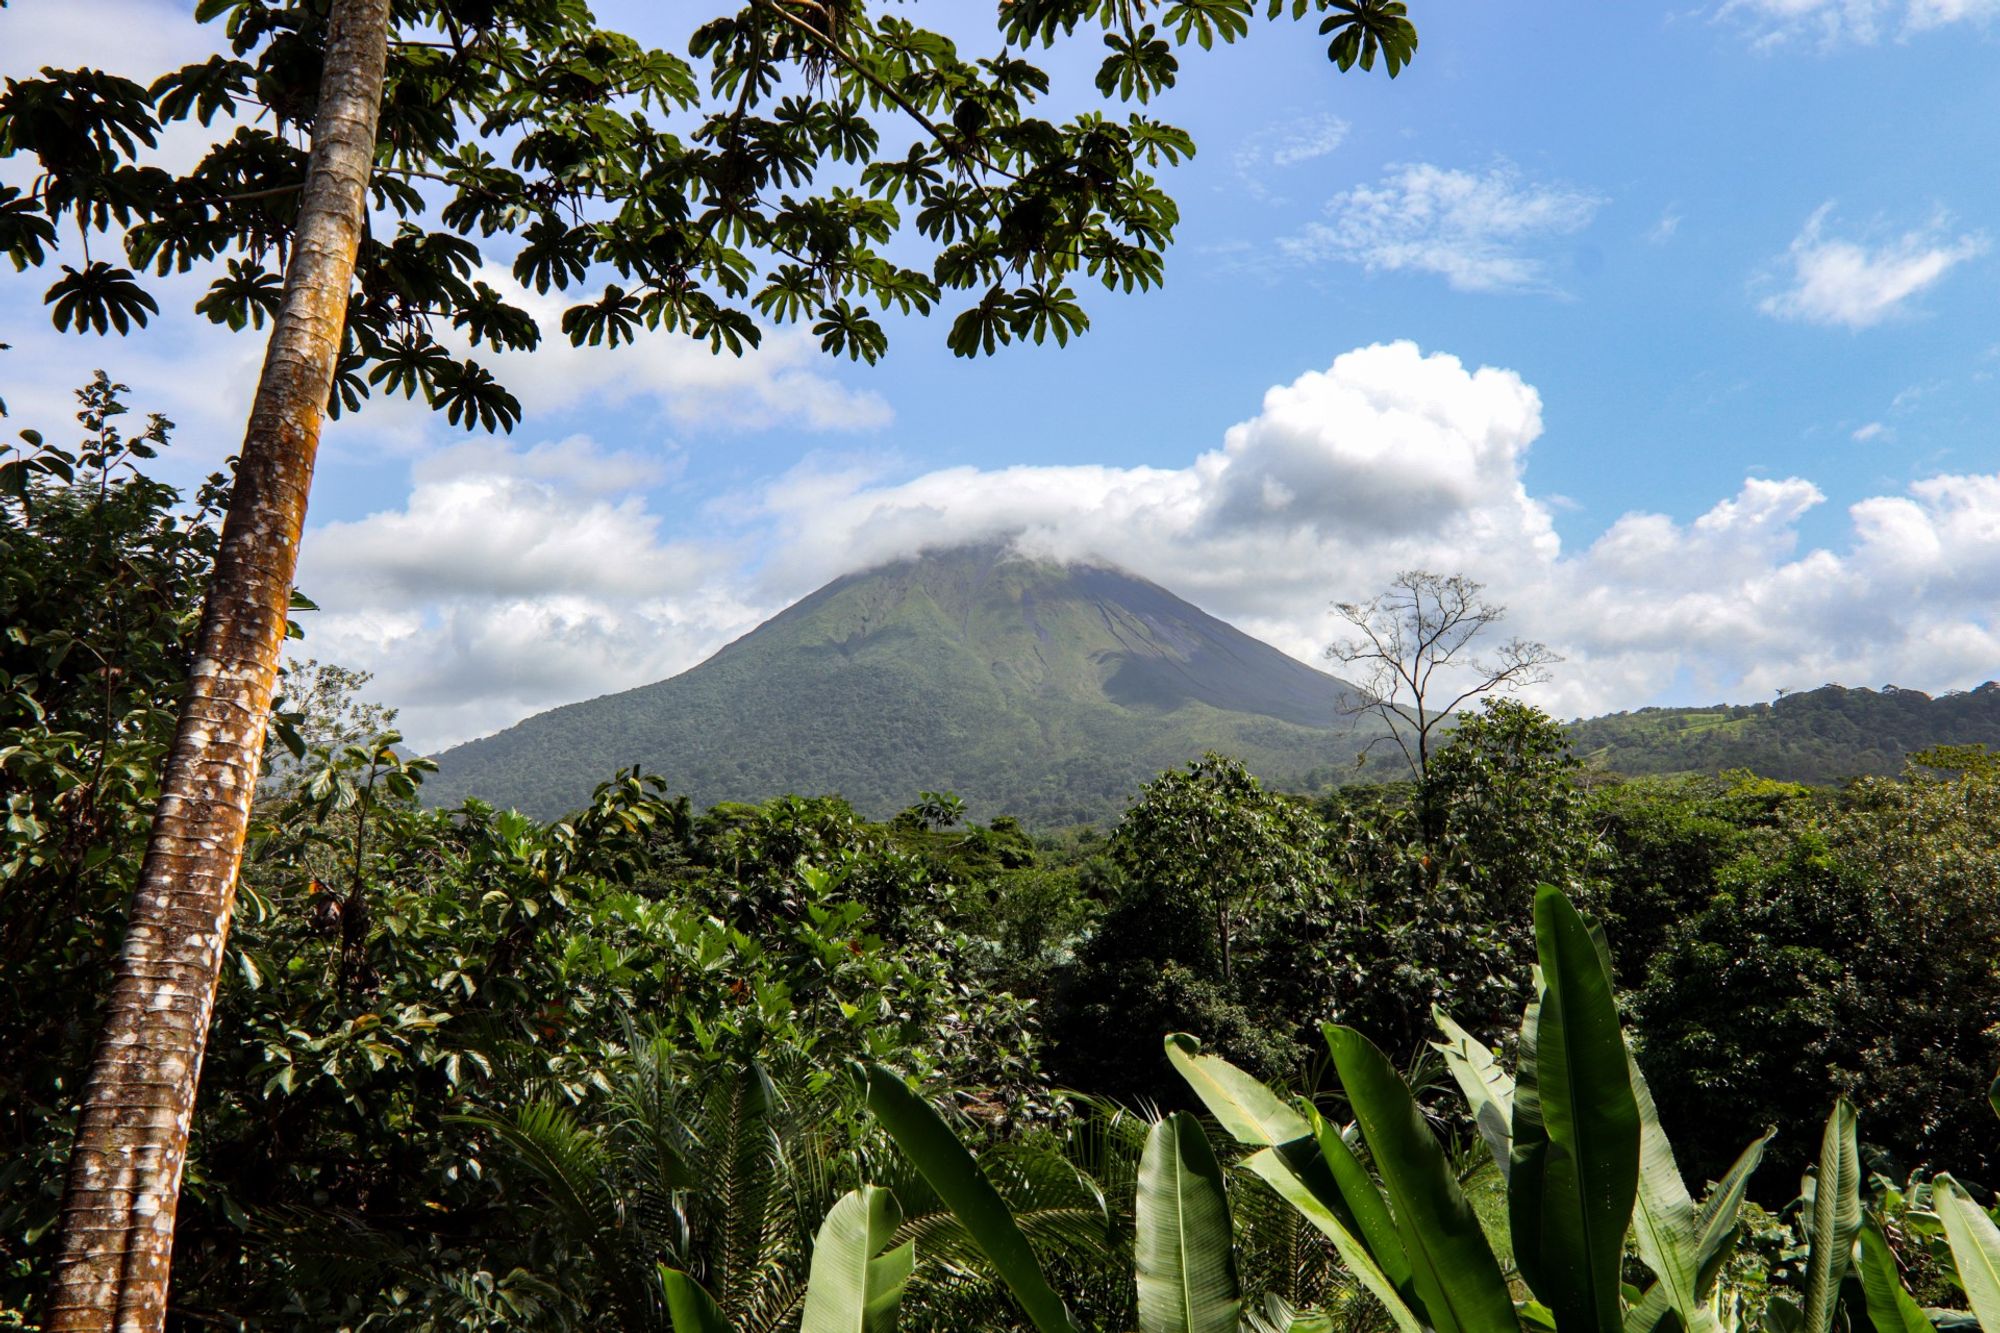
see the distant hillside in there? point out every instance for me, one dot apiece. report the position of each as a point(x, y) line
point(1823, 735)
point(1046, 691)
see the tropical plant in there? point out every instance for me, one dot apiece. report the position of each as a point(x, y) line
point(1573, 1134)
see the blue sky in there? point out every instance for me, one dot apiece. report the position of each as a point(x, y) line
point(1673, 325)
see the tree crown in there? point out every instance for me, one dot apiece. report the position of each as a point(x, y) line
point(772, 175)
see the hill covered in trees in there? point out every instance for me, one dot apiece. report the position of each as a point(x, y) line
point(1820, 736)
point(1043, 690)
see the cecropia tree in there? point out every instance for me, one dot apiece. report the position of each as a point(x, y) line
point(382, 172)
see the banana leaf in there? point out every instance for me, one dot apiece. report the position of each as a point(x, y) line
point(949, 1169)
point(1313, 1152)
point(1183, 1249)
point(1452, 1266)
point(856, 1281)
point(1255, 1116)
point(689, 1306)
point(1488, 1089)
point(1835, 1219)
point(1975, 1249)
point(1270, 1166)
point(1890, 1306)
point(1576, 1130)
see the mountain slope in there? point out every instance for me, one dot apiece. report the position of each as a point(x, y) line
point(1823, 735)
point(1030, 688)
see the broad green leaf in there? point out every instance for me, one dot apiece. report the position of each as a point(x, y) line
point(1488, 1089)
point(856, 1282)
point(1663, 1217)
point(949, 1169)
point(1451, 1263)
point(1313, 1151)
point(1271, 1167)
point(690, 1308)
point(1975, 1249)
point(1835, 1220)
point(1890, 1307)
point(1716, 1219)
point(1370, 1214)
point(1576, 1130)
point(1645, 1314)
point(1254, 1115)
point(1716, 1235)
point(1182, 1246)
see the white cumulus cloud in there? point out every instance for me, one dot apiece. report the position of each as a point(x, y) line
point(511, 580)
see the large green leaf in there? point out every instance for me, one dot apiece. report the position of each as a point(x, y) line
point(1717, 1218)
point(1975, 1249)
point(1372, 1219)
point(690, 1308)
point(1452, 1265)
point(1576, 1130)
point(1254, 1115)
point(1716, 1233)
point(1488, 1089)
point(1663, 1217)
point(1890, 1306)
point(949, 1169)
point(1270, 1166)
point(1835, 1219)
point(1182, 1247)
point(1305, 1145)
point(856, 1282)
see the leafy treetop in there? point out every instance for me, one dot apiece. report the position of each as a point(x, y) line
point(755, 181)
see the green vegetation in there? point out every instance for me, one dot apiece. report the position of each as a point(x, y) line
point(1825, 735)
point(1042, 691)
point(782, 1066)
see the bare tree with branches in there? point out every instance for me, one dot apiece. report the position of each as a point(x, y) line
point(1414, 643)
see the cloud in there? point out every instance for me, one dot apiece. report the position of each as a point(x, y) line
point(1665, 229)
point(1874, 430)
point(514, 579)
point(1263, 156)
point(1391, 459)
point(1849, 284)
point(1480, 231)
point(1829, 23)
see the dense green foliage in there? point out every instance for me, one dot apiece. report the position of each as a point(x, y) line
point(1046, 692)
point(1825, 735)
point(761, 178)
point(475, 1070)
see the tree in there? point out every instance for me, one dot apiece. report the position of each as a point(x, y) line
point(1414, 643)
point(410, 111)
point(1208, 858)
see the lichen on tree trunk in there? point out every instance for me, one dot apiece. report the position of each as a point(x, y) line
point(117, 1221)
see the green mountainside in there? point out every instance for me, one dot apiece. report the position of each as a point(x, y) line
point(1047, 691)
point(1823, 735)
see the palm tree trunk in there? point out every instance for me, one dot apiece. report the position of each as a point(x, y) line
point(117, 1219)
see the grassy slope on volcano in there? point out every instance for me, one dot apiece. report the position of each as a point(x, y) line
point(1042, 690)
